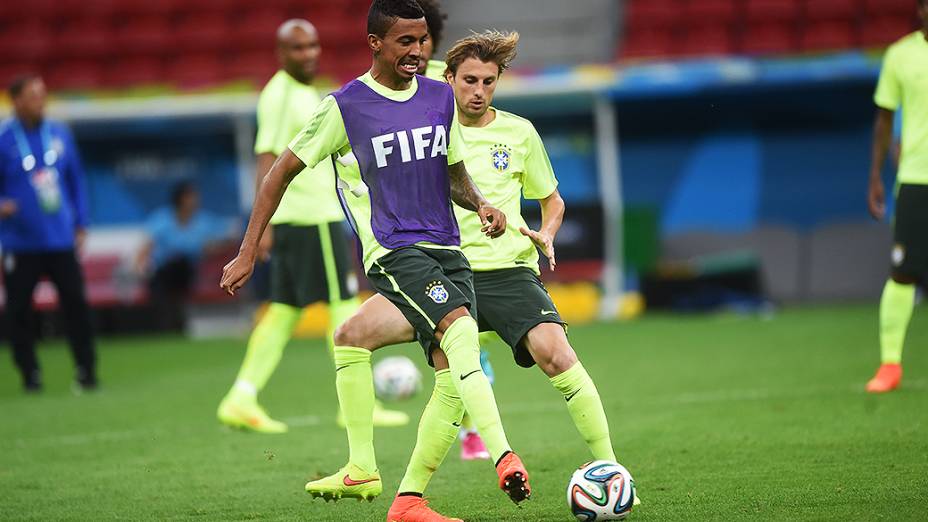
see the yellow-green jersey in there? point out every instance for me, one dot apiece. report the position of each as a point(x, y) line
point(904, 83)
point(507, 161)
point(436, 70)
point(325, 137)
point(285, 105)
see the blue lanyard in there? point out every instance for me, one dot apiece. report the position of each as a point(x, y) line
point(49, 156)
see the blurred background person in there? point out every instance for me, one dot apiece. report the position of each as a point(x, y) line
point(43, 218)
point(306, 242)
point(177, 239)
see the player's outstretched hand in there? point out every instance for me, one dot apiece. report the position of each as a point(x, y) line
point(544, 241)
point(493, 219)
point(236, 273)
point(876, 199)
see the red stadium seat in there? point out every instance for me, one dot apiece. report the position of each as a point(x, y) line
point(202, 31)
point(648, 44)
point(769, 39)
point(652, 14)
point(833, 10)
point(724, 12)
point(906, 8)
point(149, 36)
point(131, 9)
point(9, 71)
point(77, 75)
point(345, 66)
point(885, 30)
point(706, 40)
point(772, 11)
point(827, 36)
point(88, 38)
point(28, 42)
point(135, 71)
point(256, 30)
point(255, 66)
point(195, 71)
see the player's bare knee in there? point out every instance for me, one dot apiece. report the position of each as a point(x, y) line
point(556, 360)
point(351, 333)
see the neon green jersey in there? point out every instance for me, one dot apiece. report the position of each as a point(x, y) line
point(507, 160)
point(283, 108)
point(904, 82)
point(436, 70)
point(325, 136)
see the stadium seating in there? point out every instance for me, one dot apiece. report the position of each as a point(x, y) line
point(666, 28)
point(195, 44)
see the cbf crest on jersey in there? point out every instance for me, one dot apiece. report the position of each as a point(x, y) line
point(436, 292)
point(500, 155)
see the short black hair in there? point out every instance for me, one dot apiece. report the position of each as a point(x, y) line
point(19, 83)
point(435, 17)
point(181, 189)
point(384, 13)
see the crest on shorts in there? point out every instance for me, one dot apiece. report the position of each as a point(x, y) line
point(436, 292)
point(500, 155)
point(898, 254)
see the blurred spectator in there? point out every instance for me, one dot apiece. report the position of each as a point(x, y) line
point(178, 238)
point(43, 216)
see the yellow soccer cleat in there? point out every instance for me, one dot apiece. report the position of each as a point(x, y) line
point(248, 415)
point(383, 418)
point(349, 482)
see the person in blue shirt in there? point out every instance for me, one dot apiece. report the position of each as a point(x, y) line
point(43, 219)
point(178, 237)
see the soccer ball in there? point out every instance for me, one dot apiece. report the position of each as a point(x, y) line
point(396, 378)
point(601, 490)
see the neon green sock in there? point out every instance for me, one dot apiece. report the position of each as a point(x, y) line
point(355, 386)
point(895, 311)
point(437, 431)
point(460, 346)
point(467, 424)
point(586, 409)
point(339, 312)
point(266, 345)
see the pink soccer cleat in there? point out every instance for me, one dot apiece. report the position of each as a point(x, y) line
point(472, 447)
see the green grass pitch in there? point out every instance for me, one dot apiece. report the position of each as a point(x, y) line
point(718, 418)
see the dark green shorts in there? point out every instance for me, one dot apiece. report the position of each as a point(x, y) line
point(511, 302)
point(310, 263)
point(910, 232)
point(425, 284)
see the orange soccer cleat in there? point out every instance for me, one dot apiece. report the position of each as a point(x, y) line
point(513, 479)
point(887, 378)
point(413, 508)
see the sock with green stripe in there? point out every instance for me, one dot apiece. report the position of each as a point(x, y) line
point(895, 311)
point(460, 345)
point(437, 431)
point(265, 346)
point(339, 312)
point(355, 386)
point(586, 409)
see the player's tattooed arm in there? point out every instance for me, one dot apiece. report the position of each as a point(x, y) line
point(237, 272)
point(464, 193)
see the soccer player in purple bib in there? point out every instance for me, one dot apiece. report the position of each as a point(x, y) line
point(402, 131)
